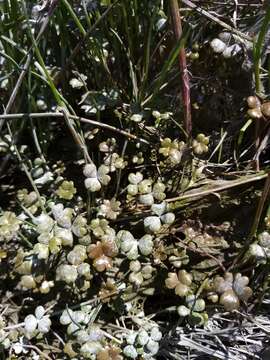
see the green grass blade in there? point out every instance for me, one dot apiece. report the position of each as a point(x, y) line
point(166, 67)
point(258, 48)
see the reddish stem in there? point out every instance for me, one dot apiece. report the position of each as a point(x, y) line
point(177, 28)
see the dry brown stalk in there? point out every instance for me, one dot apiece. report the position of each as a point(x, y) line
point(177, 28)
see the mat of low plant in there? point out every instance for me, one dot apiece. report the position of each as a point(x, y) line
point(134, 204)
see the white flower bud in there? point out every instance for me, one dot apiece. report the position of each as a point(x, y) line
point(45, 237)
point(66, 317)
point(77, 255)
point(28, 282)
point(225, 36)
point(82, 336)
point(30, 198)
point(142, 337)
point(62, 216)
point(136, 178)
point(126, 239)
point(183, 311)
point(78, 316)
point(75, 83)
point(67, 273)
point(132, 254)
point(17, 348)
point(85, 240)
point(39, 312)
point(90, 171)
point(95, 333)
point(37, 172)
point(41, 105)
point(152, 224)
point(30, 323)
point(65, 235)
point(72, 328)
point(156, 334)
point(136, 118)
point(156, 114)
point(6, 343)
point(146, 244)
point(146, 199)
point(264, 239)
point(175, 156)
point(130, 352)
point(195, 304)
point(127, 244)
point(46, 286)
point(168, 218)
point(131, 338)
point(153, 347)
point(166, 115)
point(84, 270)
point(41, 250)
point(44, 223)
point(159, 209)
point(147, 271)
point(145, 186)
point(136, 278)
point(161, 23)
point(57, 210)
point(79, 226)
point(135, 266)
point(92, 184)
point(132, 189)
point(44, 324)
point(44, 179)
point(217, 45)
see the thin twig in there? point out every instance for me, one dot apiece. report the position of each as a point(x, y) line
point(16, 89)
point(265, 194)
point(262, 145)
point(74, 117)
point(217, 20)
point(231, 184)
point(76, 136)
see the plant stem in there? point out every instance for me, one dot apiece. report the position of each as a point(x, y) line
point(263, 199)
point(177, 28)
point(16, 88)
point(258, 48)
point(74, 117)
point(74, 17)
point(227, 185)
point(257, 53)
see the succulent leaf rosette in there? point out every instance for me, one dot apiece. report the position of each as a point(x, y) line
point(232, 289)
point(172, 150)
point(180, 282)
point(96, 178)
point(193, 310)
point(131, 247)
point(144, 342)
point(66, 190)
point(261, 250)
